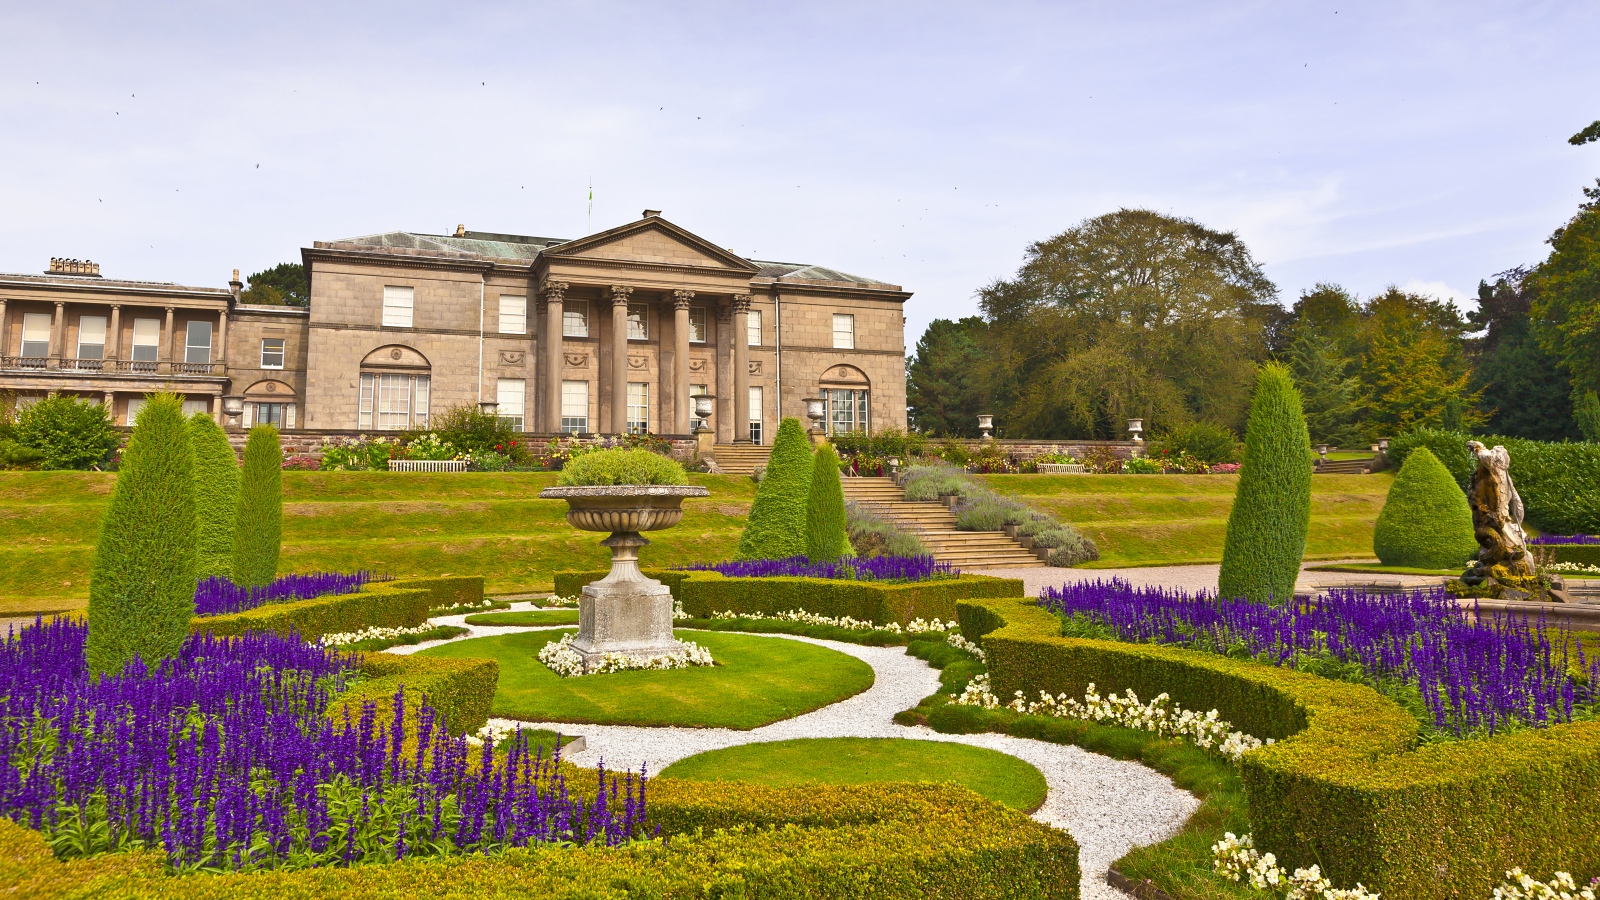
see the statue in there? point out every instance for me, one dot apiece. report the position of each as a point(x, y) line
point(1503, 568)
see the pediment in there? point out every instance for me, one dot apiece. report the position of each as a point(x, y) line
point(652, 241)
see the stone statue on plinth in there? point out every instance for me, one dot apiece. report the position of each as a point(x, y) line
point(1503, 568)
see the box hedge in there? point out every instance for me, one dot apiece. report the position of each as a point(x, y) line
point(216, 490)
point(938, 842)
point(1559, 481)
point(1346, 786)
point(1271, 512)
point(389, 604)
point(776, 526)
point(459, 689)
point(1586, 554)
point(706, 593)
point(1425, 522)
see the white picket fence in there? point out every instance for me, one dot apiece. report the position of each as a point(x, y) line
point(427, 465)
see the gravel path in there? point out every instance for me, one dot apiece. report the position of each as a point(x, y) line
point(1109, 806)
point(1192, 578)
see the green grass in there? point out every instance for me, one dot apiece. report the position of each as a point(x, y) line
point(526, 617)
point(757, 680)
point(1381, 569)
point(1152, 520)
point(997, 776)
point(397, 523)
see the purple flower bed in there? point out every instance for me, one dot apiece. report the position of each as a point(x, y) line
point(223, 757)
point(1565, 539)
point(216, 596)
point(849, 568)
point(1472, 675)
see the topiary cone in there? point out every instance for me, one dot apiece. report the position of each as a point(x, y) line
point(1426, 522)
point(141, 584)
point(827, 534)
point(216, 495)
point(1272, 506)
point(258, 528)
point(777, 526)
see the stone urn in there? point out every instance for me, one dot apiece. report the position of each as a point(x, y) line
point(625, 612)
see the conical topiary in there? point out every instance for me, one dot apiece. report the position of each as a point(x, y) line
point(1272, 506)
point(258, 524)
point(1426, 522)
point(141, 584)
point(827, 535)
point(216, 495)
point(777, 526)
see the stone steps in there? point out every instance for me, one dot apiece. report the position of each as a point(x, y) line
point(741, 459)
point(935, 525)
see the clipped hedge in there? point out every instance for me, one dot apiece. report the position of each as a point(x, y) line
point(1559, 482)
point(1587, 554)
point(1425, 522)
point(216, 492)
point(706, 593)
point(258, 525)
point(1271, 512)
point(938, 842)
point(1346, 786)
point(459, 689)
point(388, 604)
point(776, 526)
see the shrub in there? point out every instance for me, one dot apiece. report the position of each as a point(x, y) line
point(1425, 522)
point(1587, 414)
point(871, 535)
point(1449, 448)
point(1204, 441)
point(1559, 481)
point(777, 524)
point(471, 429)
point(356, 454)
point(216, 495)
point(142, 580)
point(15, 456)
point(1139, 465)
point(603, 467)
point(1272, 507)
point(982, 509)
point(258, 521)
point(71, 432)
point(827, 532)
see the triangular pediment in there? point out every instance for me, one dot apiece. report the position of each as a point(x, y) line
point(653, 241)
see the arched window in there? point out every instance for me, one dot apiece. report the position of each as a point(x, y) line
point(846, 390)
point(395, 380)
point(269, 402)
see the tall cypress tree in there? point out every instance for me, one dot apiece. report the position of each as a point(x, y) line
point(258, 528)
point(216, 490)
point(827, 534)
point(141, 584)
point(1272, 506)
point(777, 525)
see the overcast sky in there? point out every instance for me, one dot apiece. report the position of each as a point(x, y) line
point(925, 144)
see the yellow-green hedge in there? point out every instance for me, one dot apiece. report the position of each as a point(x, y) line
point(826, 843)
point(1346, 786)
point(460, 689)
point(388, 604)
point(705, 593)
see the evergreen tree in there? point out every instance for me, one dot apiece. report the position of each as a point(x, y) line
point(943, 386)
point(1566, 295)
point(1272, 506)
point(258, 528)
point(827, 534)
point(142, 580)
point(216, 495)
point(777, 524)
point(1588, 415)
point(1524, 390)
point(1330, 395)
point(1426, 522)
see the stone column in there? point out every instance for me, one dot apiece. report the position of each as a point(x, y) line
point(5, 345)
point(114, 335)
point(680, 361)
point(741, 368)
point(110, 403)
point(722, 419)
point(222, 342)
point(58, 334)
point(167, 337)
point(619, 357)
point(555, 295)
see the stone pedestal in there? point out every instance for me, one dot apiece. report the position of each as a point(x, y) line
point(625, 612)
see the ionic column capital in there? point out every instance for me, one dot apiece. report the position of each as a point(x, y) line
point(553, 292)
point(620, 294)
point(681, 298)
point(740, 303)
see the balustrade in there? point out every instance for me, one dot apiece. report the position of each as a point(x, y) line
point(110, 366)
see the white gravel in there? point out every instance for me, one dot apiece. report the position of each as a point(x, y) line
point(1109, 806)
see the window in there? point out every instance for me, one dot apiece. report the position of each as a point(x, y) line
point(697, 324)
point(755, 414)
point(847, 410)
point(510, 399)
point(844, 332)
point(197, 343)
point(393, 402)
point(134, 405)
point(575, 318)
point(753, 328)
point(92, 337)
point(268, 414)
point(272, 353)
point(146, 342)
point(397, 303)
point(638, 322)
point(575, 407)
point(36, 334)
point(638, 407)
point(513, 314)
point(192, 406)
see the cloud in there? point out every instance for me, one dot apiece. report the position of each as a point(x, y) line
point(1437, 290)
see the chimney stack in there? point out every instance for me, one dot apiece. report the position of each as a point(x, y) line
point(652, 213)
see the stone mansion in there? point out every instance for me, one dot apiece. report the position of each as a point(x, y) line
point(606, 334)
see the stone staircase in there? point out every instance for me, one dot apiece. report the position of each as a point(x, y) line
point(741, 459)
point(935, 525)
point(1345, 466)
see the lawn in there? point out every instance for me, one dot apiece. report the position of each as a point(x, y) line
point(526, 617)
point(997, 776)
point(1150, 520)
point(757, 680)
point(398, 523)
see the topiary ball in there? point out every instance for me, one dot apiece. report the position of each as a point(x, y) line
point(1426, 522)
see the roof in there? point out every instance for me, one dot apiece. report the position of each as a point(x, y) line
point(96, 281)
point(525, 249)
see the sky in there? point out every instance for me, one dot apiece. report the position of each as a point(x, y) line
point(924, 144)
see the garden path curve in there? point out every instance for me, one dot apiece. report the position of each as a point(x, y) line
point(1109, 806)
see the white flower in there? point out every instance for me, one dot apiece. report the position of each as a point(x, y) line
point(373, 633)
point(561, 659)
point(917, 626)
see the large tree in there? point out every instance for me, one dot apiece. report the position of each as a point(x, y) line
point(1525, 392)
point(1415, 369)
point(1566, 295)
point(943, 387)
point(1331, 395)
point(285, 284)
point(1129, 314)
